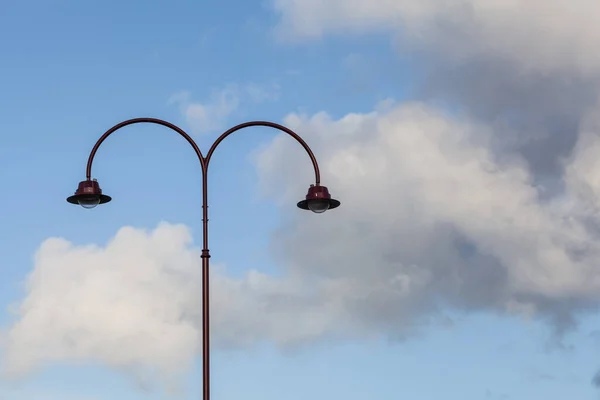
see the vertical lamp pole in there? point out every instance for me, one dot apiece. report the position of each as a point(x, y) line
point(89, 195)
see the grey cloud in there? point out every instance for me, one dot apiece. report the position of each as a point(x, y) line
point(596, 380)
point(526, 73)
point(433, 218)
point(536, 115)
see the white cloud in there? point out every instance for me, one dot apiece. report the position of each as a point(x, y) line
point(540, 35)
point(135, 304)
point(213, 113)
point(428, 203)
point(121, 305)
point(431, 217)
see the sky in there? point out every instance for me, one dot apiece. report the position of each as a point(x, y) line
point(461, 136)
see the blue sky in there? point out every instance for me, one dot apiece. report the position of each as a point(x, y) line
point(72, 69)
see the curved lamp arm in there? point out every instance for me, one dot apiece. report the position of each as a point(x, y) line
point(204, 161)
point(270, 125)
point(88, 170)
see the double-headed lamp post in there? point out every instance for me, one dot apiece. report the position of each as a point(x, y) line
point(89, 195)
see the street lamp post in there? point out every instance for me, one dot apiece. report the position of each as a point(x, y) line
point(89, 195)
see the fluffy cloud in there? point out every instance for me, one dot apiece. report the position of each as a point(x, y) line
point(213, 113)
point(525, 73)
point(136, 307)
point(433, 214)
point(129, 307)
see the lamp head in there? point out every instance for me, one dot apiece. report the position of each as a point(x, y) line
point(318, 200)
point(88, 195)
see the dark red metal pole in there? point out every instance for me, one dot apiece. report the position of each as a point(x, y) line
point(205, 288)
point(205, 255)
